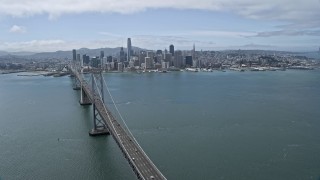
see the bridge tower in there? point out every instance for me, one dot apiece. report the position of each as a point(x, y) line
point(84, 99)
point(76, 84)
point(99, 126)
point(75, 81)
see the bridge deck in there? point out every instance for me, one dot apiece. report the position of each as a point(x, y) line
point(138, 160)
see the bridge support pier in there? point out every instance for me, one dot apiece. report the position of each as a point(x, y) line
point(98, 132)
point(84, 99)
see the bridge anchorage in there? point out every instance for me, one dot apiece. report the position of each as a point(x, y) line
point(105, 123)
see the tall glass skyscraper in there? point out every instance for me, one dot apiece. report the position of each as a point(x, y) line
point(129, 49)
point(171, 49)
point(74, 54)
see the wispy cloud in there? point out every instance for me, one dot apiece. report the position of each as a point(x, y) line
point(253, 46)
point(291, 10)
point(143, 41)
point(218, 33)
point(163, 42)
point(33, 45)
point(17, 29)
point(288, 33)
point(109, 34)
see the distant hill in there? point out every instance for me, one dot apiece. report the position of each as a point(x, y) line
point(82, 51)
point(116, 51)
point(22, 53)
point(3, 53)
point(315, 54)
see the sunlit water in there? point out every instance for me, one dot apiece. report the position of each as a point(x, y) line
point(219, 125)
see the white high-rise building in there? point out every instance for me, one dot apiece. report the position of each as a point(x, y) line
point(120, 67)
point(165, 65)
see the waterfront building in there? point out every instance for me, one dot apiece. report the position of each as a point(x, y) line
point(135, 60)
point(108, 66)
point(165, 65)
point(120, 67)
point(131, 64)
point(148, 63)
point(189, 61)
point(168, 58)
point(178, 58)
point(196, 63)
point(157, 66)
point(142, 56)
point(115, 65)
point(158, 58)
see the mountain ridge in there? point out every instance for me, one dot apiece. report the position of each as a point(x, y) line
point(115, 52)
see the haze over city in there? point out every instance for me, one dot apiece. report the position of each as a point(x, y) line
point(51, 25)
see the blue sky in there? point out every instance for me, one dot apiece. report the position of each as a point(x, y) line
point(51, 25)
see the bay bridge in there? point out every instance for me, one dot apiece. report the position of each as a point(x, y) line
point(105, 123)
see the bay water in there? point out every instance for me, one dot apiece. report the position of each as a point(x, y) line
point(206, 125)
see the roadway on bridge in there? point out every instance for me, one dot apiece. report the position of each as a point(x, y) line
point(135, 153)
point(137, 158)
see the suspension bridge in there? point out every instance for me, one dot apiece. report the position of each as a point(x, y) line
point(105, 123)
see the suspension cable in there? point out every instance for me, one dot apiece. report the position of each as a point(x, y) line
point(128, 128)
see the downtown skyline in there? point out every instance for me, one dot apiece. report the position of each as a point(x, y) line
point(39, 26)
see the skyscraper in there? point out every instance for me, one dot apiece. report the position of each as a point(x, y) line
point(168, 58)
point(189, 61)
point(96, 62)
point(148, 63)
point(142, 56)
point(129, 49)
point(74, 55)
point(122, 55)
point(109, 59)
point(194, 51)
point(171, 49)
point(101, 54)
point(78, 57)
point(159, 52)
point(178, 58)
